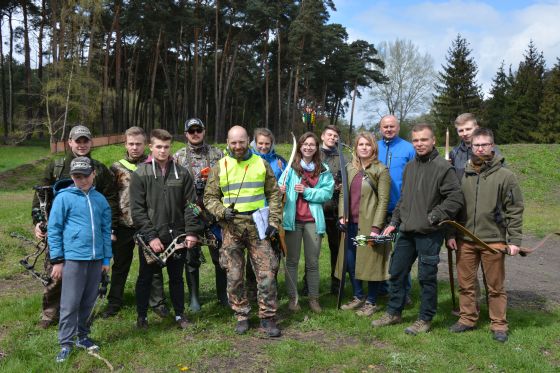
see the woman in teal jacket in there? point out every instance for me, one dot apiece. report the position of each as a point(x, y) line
point(307, 185)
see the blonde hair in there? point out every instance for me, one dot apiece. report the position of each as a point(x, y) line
point(369, 137)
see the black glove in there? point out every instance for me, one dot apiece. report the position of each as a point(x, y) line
point(229, 214)
point(434, 218)
point(341, 227)
point(271, 231)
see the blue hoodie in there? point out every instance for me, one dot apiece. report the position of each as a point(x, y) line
point(277, 163)
point(79, 225)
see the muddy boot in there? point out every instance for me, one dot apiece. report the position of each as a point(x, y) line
point(314, 305)
point(221, 286)
point(192, 284)
point(293, 306)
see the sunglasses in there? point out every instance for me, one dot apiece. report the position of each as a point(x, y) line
point(195, 130)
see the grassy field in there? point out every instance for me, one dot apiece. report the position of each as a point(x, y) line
point(334, 341)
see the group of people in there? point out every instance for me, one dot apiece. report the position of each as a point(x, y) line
point(251, 199)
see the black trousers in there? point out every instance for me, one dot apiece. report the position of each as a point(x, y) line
point(123, 253)
point(176, 286)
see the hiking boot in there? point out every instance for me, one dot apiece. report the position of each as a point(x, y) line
point(87, 344)
point(110, 311)
point(387, 319)
point(460, 328)
point(500, 336)
point(64, 353)
point(182, 322)
point(142, 323)
point(45, 324)
point(314, 305)
point(161, 310)
point(367, 309)
point(419, 326)
point(354, 304)
point(269, 327)
point(293, 306)
point(242, 326)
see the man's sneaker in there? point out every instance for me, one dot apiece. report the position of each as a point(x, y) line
point(63, 355)
point(387, 319)
point(500, 336)
point(354, 304)
point(86, 344)
point(242, 326)
point(45, 324)
point(293, 306)
point(162, 311)
point(419, 326)
point(269, 327)
point(182, 322)
point(367, 309)
point(110, 311)
point(142, 323)
point(460, 328)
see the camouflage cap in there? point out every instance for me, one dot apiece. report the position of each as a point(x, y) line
point(81, 165)
point(79, 131)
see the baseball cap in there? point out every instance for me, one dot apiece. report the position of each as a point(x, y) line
point(192, 123)
point(79, 131)
point(81, 165)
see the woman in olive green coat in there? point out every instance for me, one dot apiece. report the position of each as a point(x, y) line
point(369, 186)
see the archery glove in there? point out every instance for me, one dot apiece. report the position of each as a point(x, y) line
point(271, 231)
point(229, 214)
point(434, 218)
point(341, 227)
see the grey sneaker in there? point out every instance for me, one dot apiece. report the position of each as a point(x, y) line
point(387, 319)
point(500, 336)
point(367, 309)
point(419, 326)
point(63, 355)
point(354, 304)
point(87, 344)
point(460, 328)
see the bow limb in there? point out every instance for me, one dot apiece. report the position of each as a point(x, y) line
point(290, 161)
point(345, 213)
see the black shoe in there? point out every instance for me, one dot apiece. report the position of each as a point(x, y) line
point(460, 328)
point(110, 311)
point(269, 327)
point(500, 336)
point(142, 323)
point(242, 326)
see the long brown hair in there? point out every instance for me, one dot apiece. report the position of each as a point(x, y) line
point(374, 155)
point(316, 157)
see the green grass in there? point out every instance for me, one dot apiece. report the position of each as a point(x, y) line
point(14, 156)
point(333, 341)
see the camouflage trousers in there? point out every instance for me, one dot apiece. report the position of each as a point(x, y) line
point(265, 263)
point(51, 294)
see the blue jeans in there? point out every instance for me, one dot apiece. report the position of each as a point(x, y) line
point(408, 247)
point(357, 288)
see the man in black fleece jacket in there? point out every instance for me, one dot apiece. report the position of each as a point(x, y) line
point(430, 193)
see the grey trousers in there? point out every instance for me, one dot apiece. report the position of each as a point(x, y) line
point(311, 250)
point(80, 285)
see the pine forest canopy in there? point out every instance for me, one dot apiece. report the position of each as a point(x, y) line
point(114, 64)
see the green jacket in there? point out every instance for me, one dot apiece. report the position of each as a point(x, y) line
point(213, 202)
point(161, 205)
point(493, 208)
point(372, 263)
point(104, 181)
point(332, 159)
point(430, 191)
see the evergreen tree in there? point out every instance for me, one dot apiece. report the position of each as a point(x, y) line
point(549, 114)
point(457, 90)
point(526, 97)
point(498, 107)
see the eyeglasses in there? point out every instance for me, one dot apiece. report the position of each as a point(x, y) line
point(309, 145)
point(195, 130)
point(475, 146)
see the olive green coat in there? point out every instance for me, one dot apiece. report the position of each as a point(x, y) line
point(372, 263)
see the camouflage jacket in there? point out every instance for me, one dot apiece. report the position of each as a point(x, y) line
point(122, 183)
point(195, 159)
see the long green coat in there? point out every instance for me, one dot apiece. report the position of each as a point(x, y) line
point(372, 263)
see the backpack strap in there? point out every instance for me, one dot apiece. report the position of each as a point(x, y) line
point(58, 167)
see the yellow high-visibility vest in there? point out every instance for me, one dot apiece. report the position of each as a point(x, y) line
point(244, 183)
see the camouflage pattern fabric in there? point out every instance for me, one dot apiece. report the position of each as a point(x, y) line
point(265, 264)
point(51, 293)
point(122, 181)
point(195, 158)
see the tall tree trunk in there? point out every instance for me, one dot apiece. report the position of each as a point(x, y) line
point(10, 74)
point(3, 77)
point(266, 78)
point(195, 63)
point(27, 62)
point(216, 45)
point(353, 105)
point(117, 119)
point(40, 58)
point(151, 112)
point(279, 76)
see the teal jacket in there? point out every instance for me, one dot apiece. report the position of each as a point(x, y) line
point(316, 196)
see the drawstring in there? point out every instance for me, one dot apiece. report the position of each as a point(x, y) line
point(154, 168)
point(174, 169)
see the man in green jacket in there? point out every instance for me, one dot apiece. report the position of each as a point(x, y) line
point(430, 193)
point(493, 212)
point(80, 143)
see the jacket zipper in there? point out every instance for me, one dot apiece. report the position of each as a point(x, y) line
point(92, 223)
point(476, 202)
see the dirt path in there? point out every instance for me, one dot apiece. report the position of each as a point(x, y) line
point(532, 281)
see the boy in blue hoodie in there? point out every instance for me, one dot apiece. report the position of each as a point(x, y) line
point(79, 237)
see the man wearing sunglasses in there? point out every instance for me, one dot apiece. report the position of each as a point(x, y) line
point(198, 157)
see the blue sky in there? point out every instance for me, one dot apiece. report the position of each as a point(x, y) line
point(496, 30)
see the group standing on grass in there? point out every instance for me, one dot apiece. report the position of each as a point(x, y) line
point(251, 202)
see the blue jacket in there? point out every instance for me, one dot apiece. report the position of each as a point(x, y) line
point(395, 154)
point(277, 163)
point(316, 196)
point(80, 226)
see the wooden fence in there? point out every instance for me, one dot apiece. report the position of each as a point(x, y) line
point(61, 146)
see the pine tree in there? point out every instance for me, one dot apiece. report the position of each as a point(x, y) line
point(549, 114)
point(526, 97)
point(457, 90)
point(498, 107)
